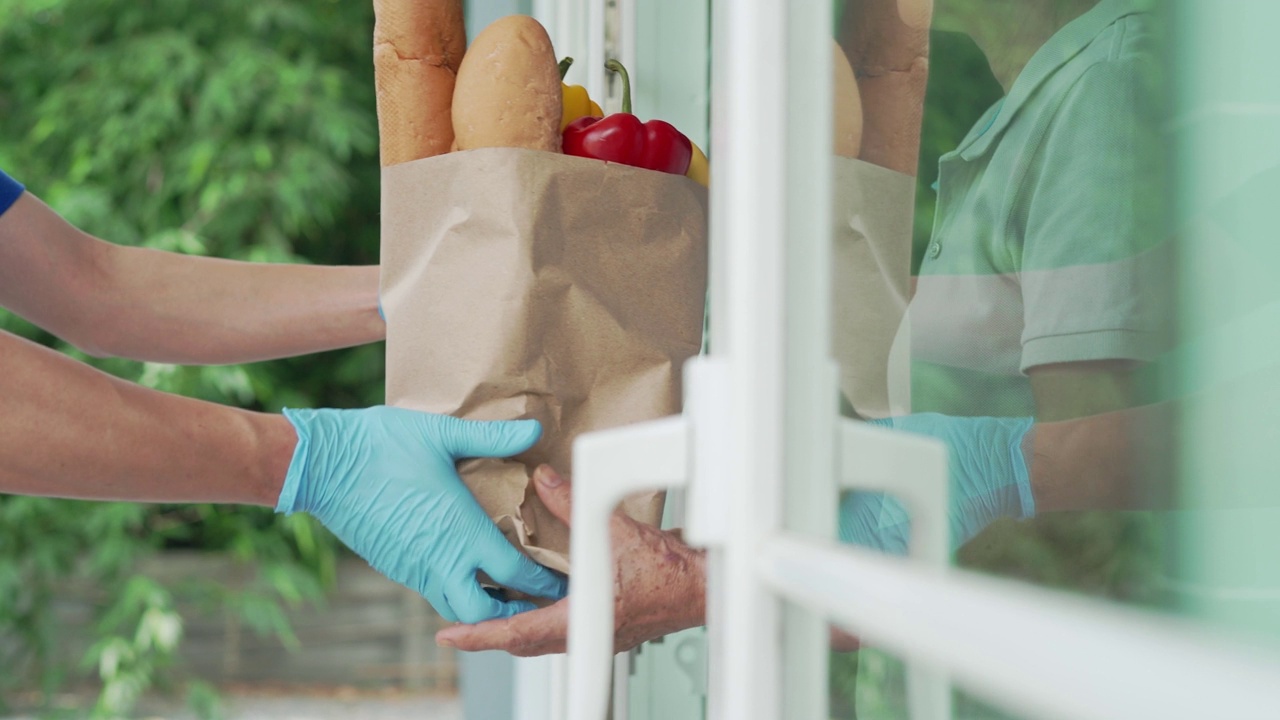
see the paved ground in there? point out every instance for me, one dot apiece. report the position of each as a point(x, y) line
point(330, 706)
point(417, 708)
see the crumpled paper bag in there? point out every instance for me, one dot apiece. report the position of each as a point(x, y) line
point(525, 284)
point(871, 265)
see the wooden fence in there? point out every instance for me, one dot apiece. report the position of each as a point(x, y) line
point(370, 632)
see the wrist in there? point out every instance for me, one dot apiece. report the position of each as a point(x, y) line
point(277, 442)
point(371, 313)
point(1026, 447)
point(696, 590)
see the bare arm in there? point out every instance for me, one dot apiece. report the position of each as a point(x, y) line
point(1074, 390)
point(1093, 449)
point(1120, 460)
point(68, 430)
point(382, 479)
point(111, 300)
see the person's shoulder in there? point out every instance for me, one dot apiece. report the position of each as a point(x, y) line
point(1120, 61)
point(1120, 52)
point(1130, 40)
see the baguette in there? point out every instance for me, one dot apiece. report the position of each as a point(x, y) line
point(848, 106)
point(916, 14)
point(418, 46)
point(887, 43)
point(509, 91)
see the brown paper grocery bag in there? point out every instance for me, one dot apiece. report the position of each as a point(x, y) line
point(525, 284)
point(871, 265)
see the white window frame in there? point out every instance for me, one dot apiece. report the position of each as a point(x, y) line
point(760, 408)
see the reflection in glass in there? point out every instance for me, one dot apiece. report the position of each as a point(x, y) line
point(1032, 256)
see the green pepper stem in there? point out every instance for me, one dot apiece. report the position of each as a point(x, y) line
point(617, 67)
point(564, 67)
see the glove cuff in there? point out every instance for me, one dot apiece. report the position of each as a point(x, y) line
point(1023, 448)
point(289, 501)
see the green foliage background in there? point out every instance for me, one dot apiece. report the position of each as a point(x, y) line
point(235, 129)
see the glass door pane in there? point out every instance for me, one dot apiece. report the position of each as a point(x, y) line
point(1017, 208)
point(1228, 148)
point(670, 81)
point(878, 85)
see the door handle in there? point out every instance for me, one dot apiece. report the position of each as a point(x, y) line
point(608, 466)
point(914, 469)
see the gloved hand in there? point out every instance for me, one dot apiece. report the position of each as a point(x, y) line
point(383, 480)
point(989, 477)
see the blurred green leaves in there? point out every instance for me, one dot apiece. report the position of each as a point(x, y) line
point(213, 127)
point(222, 121)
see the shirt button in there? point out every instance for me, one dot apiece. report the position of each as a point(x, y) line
point(935, 249)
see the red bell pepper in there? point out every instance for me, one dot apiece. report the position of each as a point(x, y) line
point(622, 138)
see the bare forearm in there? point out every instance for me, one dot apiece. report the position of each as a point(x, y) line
point(212, 311)
point(165, 307)
point(1120, 460)
point(67, 430)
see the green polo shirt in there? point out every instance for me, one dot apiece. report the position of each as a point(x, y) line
point(1047, 244)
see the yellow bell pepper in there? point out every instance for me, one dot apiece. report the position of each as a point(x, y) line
point(576, 103)
point(699, 169)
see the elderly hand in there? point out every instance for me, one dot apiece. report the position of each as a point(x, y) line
point(659, 586)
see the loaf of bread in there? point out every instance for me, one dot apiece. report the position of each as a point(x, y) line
point(509, 92)
point(848, 106)
point(916, 14)
point(887, 43)
point(418, 47)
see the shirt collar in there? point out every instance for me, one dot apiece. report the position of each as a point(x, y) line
point(1065, 44)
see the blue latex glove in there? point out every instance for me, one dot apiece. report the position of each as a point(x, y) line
point(990, 479)
point(383, 480)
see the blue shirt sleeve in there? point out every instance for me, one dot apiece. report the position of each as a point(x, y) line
point(10, 189)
